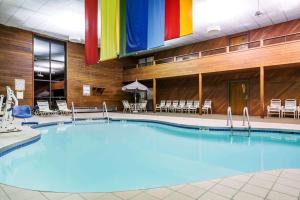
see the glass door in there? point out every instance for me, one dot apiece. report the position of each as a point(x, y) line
point(49, 70)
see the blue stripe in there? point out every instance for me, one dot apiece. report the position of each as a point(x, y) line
point(156, 23)
point(136, 25)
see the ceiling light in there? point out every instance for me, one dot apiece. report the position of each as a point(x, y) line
point(213, 30)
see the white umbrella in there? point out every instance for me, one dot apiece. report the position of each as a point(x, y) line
point(134, 88)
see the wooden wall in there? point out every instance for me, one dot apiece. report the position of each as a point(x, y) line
point(279, 84)
point(16, 61)
point(108, 75)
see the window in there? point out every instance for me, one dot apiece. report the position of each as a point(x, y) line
point(49, 70)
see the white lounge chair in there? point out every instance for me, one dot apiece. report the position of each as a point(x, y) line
point(44, 108)
point(207, 106)
point(174, 106)
point(188, 106)
point(289, 108)
point(126, 106)
point(167, 106)
point(195, 106)
point(181, 105)
point(274, 108)
point(161, 105)
point(143, 106)
point(63, 107)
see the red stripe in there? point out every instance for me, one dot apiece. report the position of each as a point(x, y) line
point(91, 32)
point(172, 19)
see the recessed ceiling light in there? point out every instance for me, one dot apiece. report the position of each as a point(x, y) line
point(213, 30)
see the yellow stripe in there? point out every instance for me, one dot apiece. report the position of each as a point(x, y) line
point(109, 29)
point(186, 17)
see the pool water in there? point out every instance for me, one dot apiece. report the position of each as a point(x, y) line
point(101, 157)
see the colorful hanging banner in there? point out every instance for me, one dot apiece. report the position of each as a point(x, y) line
point(172, 19)
point(156, 23)
point(122, 48)
point(109, 29)
point(136, 25)
point(186, 17)
point(91, 32)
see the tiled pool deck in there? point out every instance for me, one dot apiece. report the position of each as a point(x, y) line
point(281, 184)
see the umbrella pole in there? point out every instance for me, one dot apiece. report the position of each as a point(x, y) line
point(135, 101)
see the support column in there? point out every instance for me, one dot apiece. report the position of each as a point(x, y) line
point(200, 93)
point(154, 95)
point(262, 91)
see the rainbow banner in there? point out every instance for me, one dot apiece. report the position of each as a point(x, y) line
point(129, 26)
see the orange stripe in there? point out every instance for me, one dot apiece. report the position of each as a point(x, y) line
point(186, 17)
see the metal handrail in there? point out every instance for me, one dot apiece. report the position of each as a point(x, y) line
point(73, 112)
point(104, 111)
point(229, 117)
point(246, 117)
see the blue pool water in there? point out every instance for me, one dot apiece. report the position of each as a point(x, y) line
point(100, 157)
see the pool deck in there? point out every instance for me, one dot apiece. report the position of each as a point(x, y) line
point(282, 184)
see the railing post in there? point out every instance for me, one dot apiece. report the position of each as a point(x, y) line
point(227, 49)
point(174, 59)
point(262, 91)
point(261, 42)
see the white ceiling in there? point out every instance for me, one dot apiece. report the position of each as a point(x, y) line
point(65, 18)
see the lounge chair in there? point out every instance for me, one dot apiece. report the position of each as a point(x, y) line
point(290, 107)
point(181, 105)
point(274, 107)
point(63, 107)
point(188, 106)
point(143, 106)
point(195, 106)
point(161, 105)
point(174, 106)
point(44, 108)
point(207, 106)
point(167, 106)
point(126, 106)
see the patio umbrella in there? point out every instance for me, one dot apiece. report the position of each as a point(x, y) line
point(134, 88)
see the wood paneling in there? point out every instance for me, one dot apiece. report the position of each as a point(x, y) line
point(106, 75)
point(16, 61)
point(279, 54)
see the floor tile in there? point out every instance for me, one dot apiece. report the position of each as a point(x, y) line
point(265, 176)
point(274, 172)
point(177, 196)
point(212, 196)
point(261, 183)
point(223, 191)
point(288, 182)
point(204, 185)
point(246, 196)
point(108, 196)
point(191, 191)
point(255, 190)
point(241, 178)
point(232, 183)
point(176, 187)
point(91, 196)
point(73, 197)
point(280, 196)
point(55, 195)
point(144, 196)
point(159, 192)
point(286, 190)
point(128, 194)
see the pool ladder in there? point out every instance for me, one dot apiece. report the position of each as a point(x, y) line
point(73, 113)
point(104, 111)
point(245, 117)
